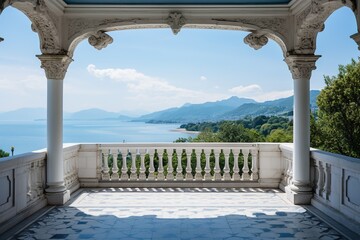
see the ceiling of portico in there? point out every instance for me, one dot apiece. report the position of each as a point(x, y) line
point(177, 2)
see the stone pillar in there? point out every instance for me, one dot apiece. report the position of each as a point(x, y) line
point(55, 67)
point(301, 66)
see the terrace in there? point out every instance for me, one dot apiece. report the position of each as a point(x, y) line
point(179, 191)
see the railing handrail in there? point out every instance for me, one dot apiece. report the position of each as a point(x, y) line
point(335, 159)
point(21, 159)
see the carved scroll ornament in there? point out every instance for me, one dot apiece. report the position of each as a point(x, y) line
point(100, 40)
point(256, 41)
point(176, 21)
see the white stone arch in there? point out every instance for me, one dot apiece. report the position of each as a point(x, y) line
point(44, 23)
point(311, 21)
point(260, 30)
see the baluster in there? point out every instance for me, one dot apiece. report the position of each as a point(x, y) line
point(226, 175)
point(236, 169)
point(217, 173)
point(290, 175)
point(321, 182)
point(29, 182)
point(327, 186)
point(188, 175)
point(316, 176)
point(105, 170)
point(207, 169)
point(124, 169)
point(151, 167)
point(179, 169)
point(142, 175)
point(254, 164)
point(245, 170)
point(170, 169)
point(160, 175)
point(198, 174)
point(115, 168)
point(133, 174)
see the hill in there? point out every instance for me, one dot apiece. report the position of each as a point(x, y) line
point(275, 107)
point(31, 114)
point(209, 111)
point(96, 114)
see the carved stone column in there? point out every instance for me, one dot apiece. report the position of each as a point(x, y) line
point(55, 67)
point(301, 66)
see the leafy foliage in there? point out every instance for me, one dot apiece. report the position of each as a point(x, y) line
point(258, 129)
point(3, 153)
point(338, 124)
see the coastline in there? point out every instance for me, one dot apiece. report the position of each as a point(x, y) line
point(183, 130)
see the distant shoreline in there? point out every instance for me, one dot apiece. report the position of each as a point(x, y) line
point(183, 130)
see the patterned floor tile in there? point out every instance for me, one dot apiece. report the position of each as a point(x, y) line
point(179, 214)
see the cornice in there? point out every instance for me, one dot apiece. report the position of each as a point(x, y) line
point(298, 6)
point(80, 11)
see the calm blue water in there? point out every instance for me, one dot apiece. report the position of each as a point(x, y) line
point(31, 135)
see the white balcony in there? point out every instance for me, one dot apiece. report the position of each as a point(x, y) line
point(156, 194)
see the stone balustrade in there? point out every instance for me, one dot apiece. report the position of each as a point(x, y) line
point(179, 162)
point(22, 184)
point(335, 178)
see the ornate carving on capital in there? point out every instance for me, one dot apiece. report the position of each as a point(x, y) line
point(301, 66)
point(55, 66)
point(100, 40)
point(176, 21)
point(255, 40)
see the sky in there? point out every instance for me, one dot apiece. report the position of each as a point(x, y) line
point(149, 70)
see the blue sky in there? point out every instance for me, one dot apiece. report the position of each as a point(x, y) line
point(148, 70)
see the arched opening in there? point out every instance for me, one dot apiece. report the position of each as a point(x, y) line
point(22, 85)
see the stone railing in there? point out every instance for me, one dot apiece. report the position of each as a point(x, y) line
point(336, 181)
point(22, 183)
point(71, 157)
point(180, 164)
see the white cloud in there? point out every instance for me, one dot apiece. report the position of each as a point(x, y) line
point(138, 82)
point(250, 89)
point(147, 92)
point(255, 92)
point(203, 78)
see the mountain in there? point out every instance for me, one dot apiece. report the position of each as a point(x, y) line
point(24, 114)
point(208, 111)
point(275, 107)
point(96, 114)
point(31, 114)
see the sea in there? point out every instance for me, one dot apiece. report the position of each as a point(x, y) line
point(28, 136)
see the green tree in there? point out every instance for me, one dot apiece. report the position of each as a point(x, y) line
point(339, 111)
point(280, 135)
point(3, 153)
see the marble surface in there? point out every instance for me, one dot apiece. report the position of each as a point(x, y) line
point(199, 213)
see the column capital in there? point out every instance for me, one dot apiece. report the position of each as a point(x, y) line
point(55, 65)
point(301, 65)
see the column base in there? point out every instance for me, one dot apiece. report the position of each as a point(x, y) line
point(58, 198)
point(298, 197)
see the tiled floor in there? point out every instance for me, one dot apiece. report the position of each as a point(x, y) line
point(179, 214)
